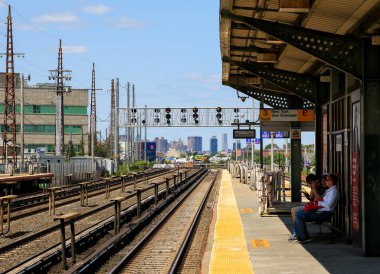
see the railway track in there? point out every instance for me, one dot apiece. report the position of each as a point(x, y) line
point(176, 224)
point(27, 201)
point(93, 226)
point(73, 197)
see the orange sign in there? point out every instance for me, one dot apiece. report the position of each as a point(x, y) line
point(305, 115)
point(265, 114)
point(287, 115)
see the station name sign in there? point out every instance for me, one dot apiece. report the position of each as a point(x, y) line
point(244, 133)
point(287, 115)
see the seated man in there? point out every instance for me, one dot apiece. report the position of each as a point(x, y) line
point(324, 213)
point(317, 190)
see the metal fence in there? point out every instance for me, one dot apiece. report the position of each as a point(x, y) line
point(62, 172)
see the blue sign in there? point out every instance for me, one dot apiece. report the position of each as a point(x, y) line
point(257, 141)
point(276, 134)
point(248, 141)
point(307, 163)
point(229, 151)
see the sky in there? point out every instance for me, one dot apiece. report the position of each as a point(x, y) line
point(168, 49)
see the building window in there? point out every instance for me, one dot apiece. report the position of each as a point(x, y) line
point(36, 109)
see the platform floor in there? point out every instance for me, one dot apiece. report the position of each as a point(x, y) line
point(266, 241)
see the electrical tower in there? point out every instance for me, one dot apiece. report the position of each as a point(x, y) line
point(93, 113)
point(9, 130)
point(112, 122)
point(59, 75)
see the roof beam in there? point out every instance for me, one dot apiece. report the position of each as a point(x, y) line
point(298, 84)
point(251, 49)
point(271, 98)
point(342, 52)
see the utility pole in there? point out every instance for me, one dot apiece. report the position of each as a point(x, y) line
point(93, 114)
point(112, 122)
point(59, 75)
point(116, 125)
point(93, 138)
point(133, 129)
point(145, 137)
point(22, 79)
point(9, 129)
point(128, 147)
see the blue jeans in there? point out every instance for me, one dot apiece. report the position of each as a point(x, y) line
point(306, 216)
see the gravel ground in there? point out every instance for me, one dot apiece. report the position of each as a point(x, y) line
point(38, 222)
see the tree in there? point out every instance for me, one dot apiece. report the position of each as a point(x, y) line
point(268, 146)
point(101, 149)
point(81, 149)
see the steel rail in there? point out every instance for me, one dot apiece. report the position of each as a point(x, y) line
point(82, 241)
point(153, 231)
point(190, 233)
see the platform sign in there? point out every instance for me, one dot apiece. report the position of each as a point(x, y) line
point(248, 141)
point(244, 133)
point(307, 163)
point(277, 134)
point(257, 141)
point(287, 115)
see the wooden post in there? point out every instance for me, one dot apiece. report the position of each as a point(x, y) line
point(134, 180)
point(8, 200)
point(138, 195)
point(63, 244)
point(167, 188)
point(72, 230)
point(185, 176)
point(107, 189)
point(69, 217)
point(156, 184)
point(175, 181)
point(117, 206)
point(122, 185)
point(180, 179)
point(52, 200)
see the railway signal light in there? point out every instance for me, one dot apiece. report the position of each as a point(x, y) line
point(183, 120)
point(236, 110)
point(195, 110)
point(183, 110)
point(195, 115)
point(156, 120)
point(168, 116)
point(219, 115)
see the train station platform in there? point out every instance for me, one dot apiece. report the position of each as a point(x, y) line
point(240, 241)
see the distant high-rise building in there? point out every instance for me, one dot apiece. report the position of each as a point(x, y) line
point(213, 145)
point(178, 145)
point(194, 143)
point(238, 145)
point(162, 145)
point(224, 142)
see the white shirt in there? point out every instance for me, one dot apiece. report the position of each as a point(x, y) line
point(330, 199)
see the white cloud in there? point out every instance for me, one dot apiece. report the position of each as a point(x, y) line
point(98, 9)
point(127, 23)
point(64, 17)
point(75, 49)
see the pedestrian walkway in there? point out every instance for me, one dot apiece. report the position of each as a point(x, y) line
point(266, 240)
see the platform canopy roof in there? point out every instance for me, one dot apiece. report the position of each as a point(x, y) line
point(275, 61)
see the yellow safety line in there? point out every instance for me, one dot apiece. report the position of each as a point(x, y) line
point(229, 251)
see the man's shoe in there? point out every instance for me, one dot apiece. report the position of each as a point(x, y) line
point(303, 241)
point(292, 237)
